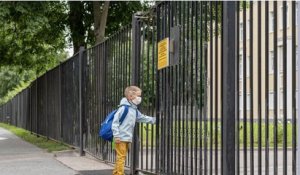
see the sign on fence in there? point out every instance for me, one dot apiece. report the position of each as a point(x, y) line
point(163, 54)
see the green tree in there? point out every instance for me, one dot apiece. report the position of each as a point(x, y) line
point(30, 32)
point(32, 41)
point(84, 18)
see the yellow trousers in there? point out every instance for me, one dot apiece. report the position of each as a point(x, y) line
point(121, 149)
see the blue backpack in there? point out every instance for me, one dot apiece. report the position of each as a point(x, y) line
point(105, 130)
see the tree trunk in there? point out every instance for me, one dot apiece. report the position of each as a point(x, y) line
point(76, 24)
point(100, 19)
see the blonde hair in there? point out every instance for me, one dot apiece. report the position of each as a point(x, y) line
point(131, 90)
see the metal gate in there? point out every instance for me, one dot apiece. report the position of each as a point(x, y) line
point(187, 137)
point(226, 104)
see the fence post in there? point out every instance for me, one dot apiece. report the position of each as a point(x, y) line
point(298, 95)
point(80, 100)
point(36, 109)
point(60, 104)
point(30, 107)
point(229, 87)
point(135, 62)
point(46, 102)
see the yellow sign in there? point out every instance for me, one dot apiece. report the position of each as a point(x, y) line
point(163, 54)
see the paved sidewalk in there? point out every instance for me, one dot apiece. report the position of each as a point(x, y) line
point(86, 165)
point(18, 157)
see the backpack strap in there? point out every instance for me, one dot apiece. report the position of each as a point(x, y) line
point(137, 113)
point(124, 113)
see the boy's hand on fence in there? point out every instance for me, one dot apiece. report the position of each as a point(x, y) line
point(117, 140)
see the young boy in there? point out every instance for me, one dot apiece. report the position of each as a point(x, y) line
point(123, 133)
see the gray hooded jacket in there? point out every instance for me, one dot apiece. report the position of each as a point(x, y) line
point(125, 130)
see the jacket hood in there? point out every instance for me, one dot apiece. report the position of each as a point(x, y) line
point(125, 101)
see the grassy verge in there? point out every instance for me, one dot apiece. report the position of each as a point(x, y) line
point(186, 133)
point(40, 142)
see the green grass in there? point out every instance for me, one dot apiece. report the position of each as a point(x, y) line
point(188, 136)
point(40, 142)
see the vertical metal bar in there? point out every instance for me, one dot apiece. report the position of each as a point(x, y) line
point(36, 109)
point(186, 94)
point(30, 108)
point(245, 86)
point(221, 81)
point(91, 110)
point(165, 89)
point(153, 92)
point(114, 79)
point(113, 85)
point(141, 84)
point(125, 54)
point(173, 19)
point(16, 109)
point(110, 98)
point(179, 85)
point(176, 124)
point(259, 90)
point(216, 87)
point(91, 141)
point(135, 61)
point(129, 45)
point(206, 84)
point(130, 54)
point(183, 88)
point(171, 91)
point(284, 87)
point(93, 63)
point(81, 49)
point(192, 4)
point(93, 91)
point(196, 89)
point(95, 95)
point(102, 75)
point(294, 132)
point(178, 97)
point(157, 104)
point(201, 72)
point(238, 90)
point(251, 91)
point(275, 89)
point(96, 74)
point(298, 93)
point(149, 93)
point(46, 104)
point(162, 99)
point(99, 96)
point(124, 58)
point(267, 87)
point(211, 78)
point(105, 87)
point(173, 106)
point(229, 85)
point(187, 82)
point(60, 103)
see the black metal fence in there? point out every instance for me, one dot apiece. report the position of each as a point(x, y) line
point(225, 105)
point(107, 72)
